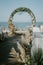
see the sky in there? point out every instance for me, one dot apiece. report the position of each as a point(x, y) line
point(8, 6)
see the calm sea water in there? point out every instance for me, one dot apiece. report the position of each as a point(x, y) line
point(20, 24)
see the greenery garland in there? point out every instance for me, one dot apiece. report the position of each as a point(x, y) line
point(23, 9)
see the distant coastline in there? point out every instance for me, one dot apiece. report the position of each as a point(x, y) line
point(20, 24)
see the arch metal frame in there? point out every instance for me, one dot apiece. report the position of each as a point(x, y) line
point(23, 9)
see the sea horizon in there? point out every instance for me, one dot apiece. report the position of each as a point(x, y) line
point(20, 24)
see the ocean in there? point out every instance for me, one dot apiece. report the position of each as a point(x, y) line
point(20, 24)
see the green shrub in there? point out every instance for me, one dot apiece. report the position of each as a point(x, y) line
point(37, 57)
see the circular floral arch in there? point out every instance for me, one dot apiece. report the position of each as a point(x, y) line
point(23, 9)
